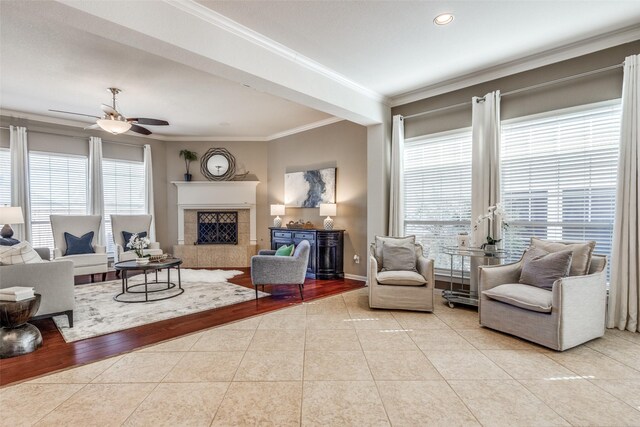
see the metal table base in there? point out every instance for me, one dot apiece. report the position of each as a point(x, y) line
point(129, 289)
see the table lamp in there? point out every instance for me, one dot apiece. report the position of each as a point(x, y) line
point(10, 215)
point(277, 210)
point(328, 209)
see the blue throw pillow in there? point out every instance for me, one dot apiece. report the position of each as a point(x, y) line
point(127, 236)
point(8, 241)
point(79, 245)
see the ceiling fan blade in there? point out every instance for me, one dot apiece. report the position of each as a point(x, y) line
point(152, 122)
point(94, 126)
point(109, 110)
point(77, 114)
point(140, 129)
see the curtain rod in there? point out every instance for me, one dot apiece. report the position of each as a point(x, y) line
point(515, 91)
point(78, 137)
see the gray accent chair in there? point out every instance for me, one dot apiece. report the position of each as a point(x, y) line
point(132, 224)
point(402, 290)
point(51, 279)
point(79, 225)
point(578, 306)
point(268, 269)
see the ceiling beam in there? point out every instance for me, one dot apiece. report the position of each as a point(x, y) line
point(189, 33)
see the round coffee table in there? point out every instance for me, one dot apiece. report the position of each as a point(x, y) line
point(17, 337)
point(152, 290)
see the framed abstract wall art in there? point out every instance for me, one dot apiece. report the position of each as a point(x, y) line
point(310, 188)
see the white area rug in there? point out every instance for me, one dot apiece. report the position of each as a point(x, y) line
point(96, 312)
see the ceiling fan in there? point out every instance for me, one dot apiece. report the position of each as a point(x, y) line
point(114, 122)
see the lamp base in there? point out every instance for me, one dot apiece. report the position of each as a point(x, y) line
point(6, 231)
point(277, 222)
point(328, 223)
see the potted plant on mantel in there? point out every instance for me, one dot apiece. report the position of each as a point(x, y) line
point(188, 156)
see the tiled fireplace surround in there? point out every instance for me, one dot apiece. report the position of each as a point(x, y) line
point(230, 196)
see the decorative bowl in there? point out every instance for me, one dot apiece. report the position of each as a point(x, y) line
point(142, 261)
point(158, 258)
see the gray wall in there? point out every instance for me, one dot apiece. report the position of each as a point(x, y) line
point(342, 145)
point(71, 140)
point(600, 87)
point(250, 156)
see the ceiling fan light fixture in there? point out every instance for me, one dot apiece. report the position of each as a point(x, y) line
point(114, 125)
point(443, 19)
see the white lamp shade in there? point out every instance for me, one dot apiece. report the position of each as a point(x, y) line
point(11, 215)
point(328, 209)
point(277, 209)
point(114, 126)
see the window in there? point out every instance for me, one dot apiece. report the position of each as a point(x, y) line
point(58, 186)
point(559, 176)
point(437, 191)
point(123, 182)
point(5, 177)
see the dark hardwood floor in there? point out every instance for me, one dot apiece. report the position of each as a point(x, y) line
point(56, 354)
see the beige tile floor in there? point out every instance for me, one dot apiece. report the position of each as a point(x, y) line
point(335, 362)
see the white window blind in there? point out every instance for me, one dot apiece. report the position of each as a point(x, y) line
point(559, 176)
point(58, 184)
point(5, 177)
point(123, 192)
point(437, 191)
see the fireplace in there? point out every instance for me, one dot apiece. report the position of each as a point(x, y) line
point(216, 223)
point(217, 228)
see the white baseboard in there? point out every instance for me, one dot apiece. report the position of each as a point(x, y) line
point(355, 277)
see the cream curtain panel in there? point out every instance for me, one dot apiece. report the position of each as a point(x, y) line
point(485, 169)
point(96, 187)
point(396, 194)
point(20, 196)
point(624, 293)
point(148, 191)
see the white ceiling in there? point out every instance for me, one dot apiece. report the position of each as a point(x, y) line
point(59, 55)
point(393, 47)
point(45, 65)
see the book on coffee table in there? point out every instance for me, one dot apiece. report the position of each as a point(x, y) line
point(16, 293)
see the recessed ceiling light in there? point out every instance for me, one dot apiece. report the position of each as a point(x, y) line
point(443, 19)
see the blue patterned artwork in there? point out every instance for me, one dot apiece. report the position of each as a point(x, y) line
point(309, 189)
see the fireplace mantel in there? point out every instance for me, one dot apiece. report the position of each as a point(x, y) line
point(216, 195)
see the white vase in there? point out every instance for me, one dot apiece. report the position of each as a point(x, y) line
point(142, 261)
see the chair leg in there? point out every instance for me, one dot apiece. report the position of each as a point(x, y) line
point(300, 286)
point(118, 273)
point(69, 314)
point(256, 286)
point(104, 277)
point(92, 279)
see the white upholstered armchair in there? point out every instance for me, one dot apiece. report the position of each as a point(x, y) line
point(401, 290)
point(571, 313)
point(131, 224)
point(79, 225)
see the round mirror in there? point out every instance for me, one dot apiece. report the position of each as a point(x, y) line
point(218, 164)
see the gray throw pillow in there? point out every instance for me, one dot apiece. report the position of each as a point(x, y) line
point(581, 251)
point(398, 256)
point(380, 241)
point(541, 268)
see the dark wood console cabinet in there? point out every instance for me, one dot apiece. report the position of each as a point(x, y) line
point(326, 257)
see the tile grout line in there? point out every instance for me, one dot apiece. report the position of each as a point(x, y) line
point(224, 396)
point(375, 382)
point(60, 404)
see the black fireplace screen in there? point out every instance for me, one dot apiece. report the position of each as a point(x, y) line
point(217, 228)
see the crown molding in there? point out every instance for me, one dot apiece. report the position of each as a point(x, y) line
point(304, 128)
point(78, 124)
point(551, 56)
point(45, 119)
point(213, 138)
point(212, 17)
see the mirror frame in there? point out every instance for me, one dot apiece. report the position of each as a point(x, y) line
point(204, 160)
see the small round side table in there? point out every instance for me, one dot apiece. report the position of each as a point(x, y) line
point(17, 337)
